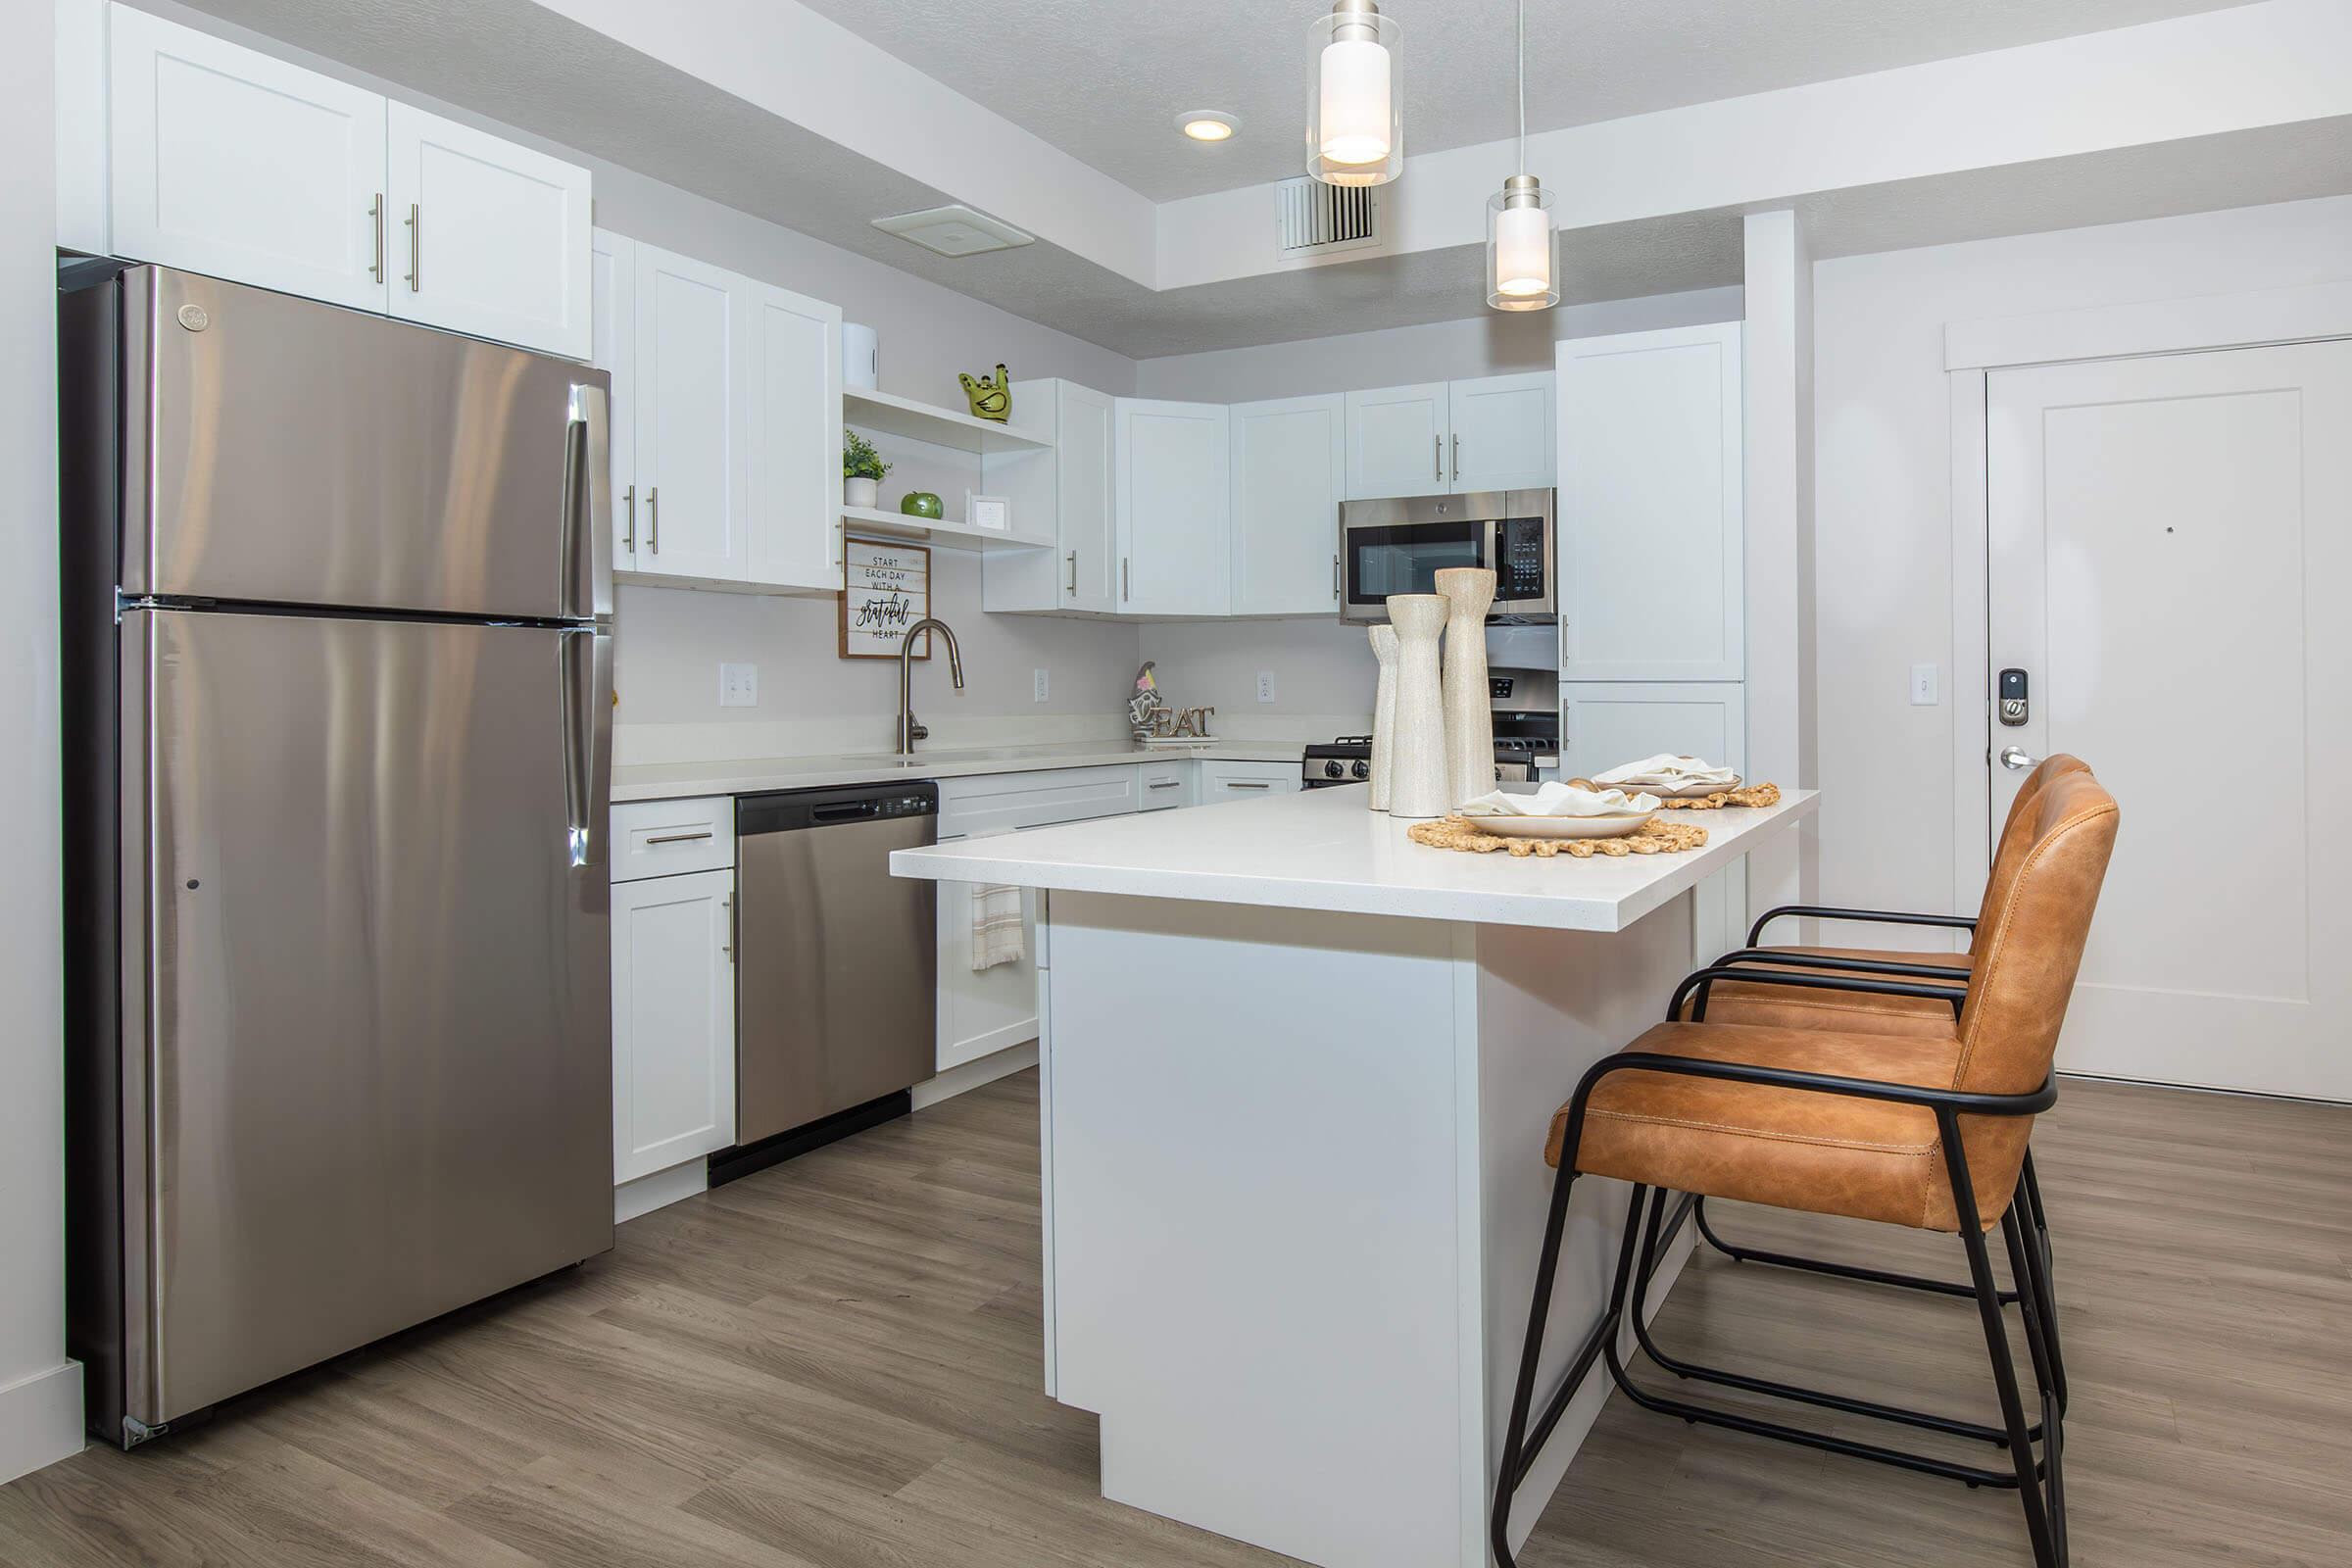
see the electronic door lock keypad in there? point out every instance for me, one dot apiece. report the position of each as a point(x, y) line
point(2013, 697)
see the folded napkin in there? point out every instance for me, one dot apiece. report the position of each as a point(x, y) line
point(1675, 772)
point(1561, 800)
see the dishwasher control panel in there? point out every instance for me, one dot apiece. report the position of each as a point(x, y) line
point(785, 810)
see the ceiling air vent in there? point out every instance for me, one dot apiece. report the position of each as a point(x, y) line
point(1311, 217)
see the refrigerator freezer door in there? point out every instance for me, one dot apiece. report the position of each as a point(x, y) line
point(378, 1065)
point(281, 451)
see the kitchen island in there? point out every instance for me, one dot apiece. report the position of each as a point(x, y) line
point(1297, 1074)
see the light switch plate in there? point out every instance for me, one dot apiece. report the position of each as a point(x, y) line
point(1265, 685)
point(739, 685)
point(1923, 685)
point(1039, 685)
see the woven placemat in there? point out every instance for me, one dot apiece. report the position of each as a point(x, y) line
point(1463, 833)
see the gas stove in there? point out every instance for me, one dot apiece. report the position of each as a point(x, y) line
point(1348, 760)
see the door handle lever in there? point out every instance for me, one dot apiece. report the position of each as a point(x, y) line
point(2015, 760)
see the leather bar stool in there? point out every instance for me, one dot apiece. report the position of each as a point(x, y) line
point(1889, 1127)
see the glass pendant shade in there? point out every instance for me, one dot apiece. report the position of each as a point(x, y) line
point(1523, 247)
point(1355, 104)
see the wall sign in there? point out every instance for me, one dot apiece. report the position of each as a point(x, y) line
point(885, 589)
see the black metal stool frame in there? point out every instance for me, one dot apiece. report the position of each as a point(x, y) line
point(2039, 1483)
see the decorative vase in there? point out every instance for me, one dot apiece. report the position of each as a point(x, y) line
point(1384, 713)
point(990, 397)
point(860, 357)
point(921, 504)
point(1417, 782)
point(856, 492)
point(1469, 706)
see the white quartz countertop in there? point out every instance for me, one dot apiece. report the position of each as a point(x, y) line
point(660, 781)
point(1324, 849)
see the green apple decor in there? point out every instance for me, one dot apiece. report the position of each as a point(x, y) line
point(922, 503)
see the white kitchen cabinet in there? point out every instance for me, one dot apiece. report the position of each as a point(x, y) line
point(613, 349)
point(1649, 442)
point(1222, 780)
point(1290, 460)
point(1071, 485)
point(1604, 725)
point(1503, 434)
point(1171, 469)
point(673, 1020)
point(237, 165)
point(693, 398)
point(228, 162)
point(1167, 785)
point(794, 441)
point(1398, 441)
point(486, 237)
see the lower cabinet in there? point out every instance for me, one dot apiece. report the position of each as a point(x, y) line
point(1165, 786)
point(1244, 781)
point(673, 1020)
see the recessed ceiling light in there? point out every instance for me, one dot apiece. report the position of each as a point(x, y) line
point(1208, 124)
point(954, 230)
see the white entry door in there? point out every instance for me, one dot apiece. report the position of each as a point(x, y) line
point(2169, 539)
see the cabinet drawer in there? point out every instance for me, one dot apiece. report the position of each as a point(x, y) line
point(1168, 785)
point(665, 838)
point(994, 803)
point(1243, 781)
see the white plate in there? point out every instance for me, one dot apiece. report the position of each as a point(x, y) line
point(1558, 827)
point(1667, 792)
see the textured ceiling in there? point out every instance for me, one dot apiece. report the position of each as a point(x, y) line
point(1104, 80)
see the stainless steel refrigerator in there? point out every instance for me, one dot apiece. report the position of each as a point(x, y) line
point(338, 688)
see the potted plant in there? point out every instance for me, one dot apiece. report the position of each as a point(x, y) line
point(862, 470)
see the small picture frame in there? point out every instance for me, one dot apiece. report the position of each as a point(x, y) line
point(993, 512)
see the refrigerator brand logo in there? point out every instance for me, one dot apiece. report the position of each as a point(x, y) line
point(194, 318)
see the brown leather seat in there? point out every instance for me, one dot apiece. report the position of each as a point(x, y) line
point(1872, 1160)
point(1780, 1006)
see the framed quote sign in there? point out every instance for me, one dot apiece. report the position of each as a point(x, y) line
point(885, 589)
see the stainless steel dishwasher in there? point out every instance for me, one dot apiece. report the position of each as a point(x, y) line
point(835, 988)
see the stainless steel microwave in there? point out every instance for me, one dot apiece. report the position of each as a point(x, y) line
point(1399, 546)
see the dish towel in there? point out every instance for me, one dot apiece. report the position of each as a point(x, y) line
point(995, 925)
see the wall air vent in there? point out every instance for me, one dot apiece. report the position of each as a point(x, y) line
point(1312, 218)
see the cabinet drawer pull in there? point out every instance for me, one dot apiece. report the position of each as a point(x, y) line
point(415, 247)
point(1244, 784)
point(1165, 784)
point(677, 837)
point(376, 213)
point(653, 519)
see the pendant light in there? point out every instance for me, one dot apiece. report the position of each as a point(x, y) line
point(1523, 243)
point(1356, 106)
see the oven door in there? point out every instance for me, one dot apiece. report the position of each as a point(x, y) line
point(1384, 555)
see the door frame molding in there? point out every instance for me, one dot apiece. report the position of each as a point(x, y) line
point(2142, 330)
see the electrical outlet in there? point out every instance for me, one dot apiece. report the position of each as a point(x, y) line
point(1923, 685)
point(739, 685)
point(1037, 685)
point(1265, 685)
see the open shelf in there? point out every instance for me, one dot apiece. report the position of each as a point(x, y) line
point(872, 412)
point(945, 532)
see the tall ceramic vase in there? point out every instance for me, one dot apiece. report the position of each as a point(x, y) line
point(1469, 708)
point(1384, 713)
point(1417, 785)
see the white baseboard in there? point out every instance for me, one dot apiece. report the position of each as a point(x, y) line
point(41, 1420)
point(659, 1190)
point(973, 1074)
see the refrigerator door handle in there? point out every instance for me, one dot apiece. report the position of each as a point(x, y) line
point(587, 697)
point(587, 506)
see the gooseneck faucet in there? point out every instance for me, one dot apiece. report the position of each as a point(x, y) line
point(908, 730)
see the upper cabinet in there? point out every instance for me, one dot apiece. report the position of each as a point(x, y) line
point(794, 439)
point(1397, 440)
point(231, 163)
point(693, 400)
point(1290, 460)
point(1065, 490)
point(1450, 437)
point(1502, 434)
point(1171, 469)
point(613, 340)
point(493, 237)
point(1650, 458)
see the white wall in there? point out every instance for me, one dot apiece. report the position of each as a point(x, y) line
point(40, 1391)
point(1883, 513)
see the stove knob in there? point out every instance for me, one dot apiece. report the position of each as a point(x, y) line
point(1332, 770)
point(1360, 771)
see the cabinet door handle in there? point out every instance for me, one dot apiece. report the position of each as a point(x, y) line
point(1457, 459)
point(677, 837)
point(375, 213)
point(728, 947)
point(653, 519)
point(1437, 456)
point(1335, 576)
point(629, 540)
point(1073, 574)
point(1126, 591)
point(415, 247)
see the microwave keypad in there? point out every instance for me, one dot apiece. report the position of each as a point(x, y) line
point(1519, 566)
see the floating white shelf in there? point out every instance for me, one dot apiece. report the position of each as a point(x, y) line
point(870, 412)
point(945, 532)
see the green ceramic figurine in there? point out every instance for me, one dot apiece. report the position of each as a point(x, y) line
point(921, 504)
point(990, 400)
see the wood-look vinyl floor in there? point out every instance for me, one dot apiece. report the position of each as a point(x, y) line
point(834, 1364)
